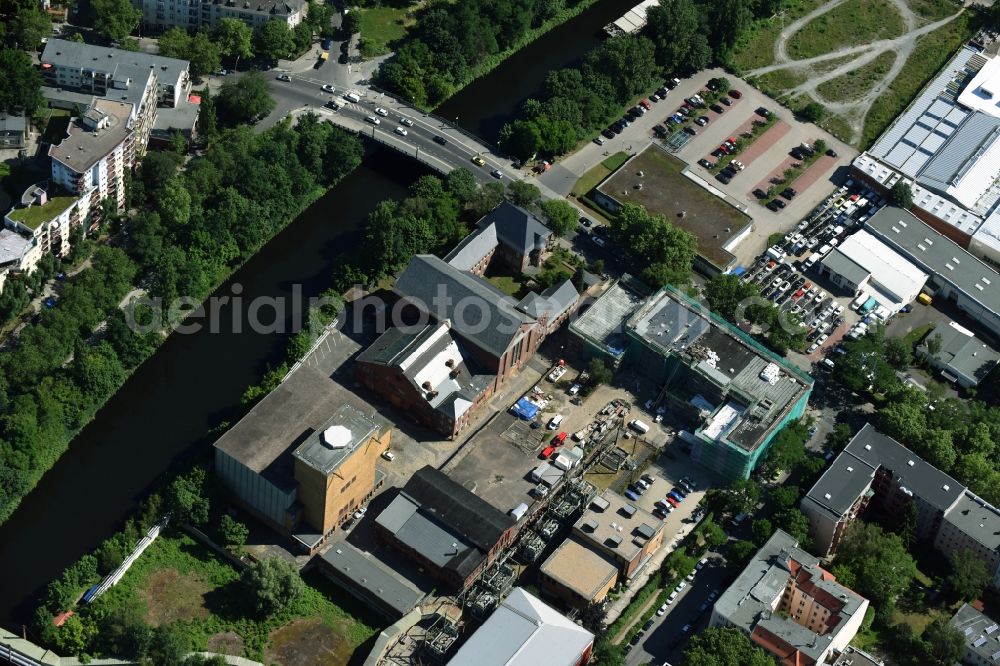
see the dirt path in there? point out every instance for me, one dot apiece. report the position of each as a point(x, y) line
point(853, 111)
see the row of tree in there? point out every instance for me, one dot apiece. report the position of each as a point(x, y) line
point(740, 302)
point(666, 251)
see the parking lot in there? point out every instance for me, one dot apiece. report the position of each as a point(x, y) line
point(787, 274)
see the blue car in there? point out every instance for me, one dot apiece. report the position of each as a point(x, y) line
point(49, 302)
point(631, 495)
point(679, 491)
point(679, 498)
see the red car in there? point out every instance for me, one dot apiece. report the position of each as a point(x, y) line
point(674, 503)
point(559, 439)
point(797, 295)
point(735, 94)
point(645, 103)
point(546, 452)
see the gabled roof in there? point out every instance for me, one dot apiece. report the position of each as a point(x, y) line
point(473, 248)
point(552, 302)
point(516, 228)
point(460, 509)
point(480, 314)
point(523, 631)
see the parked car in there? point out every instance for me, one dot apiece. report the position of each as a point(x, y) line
point(735, 94)
point(726, 101)
point(717, 108)
point(705, 163)
point(388, 455)
point(763, 112)
point(701, 120)
point(760, 194)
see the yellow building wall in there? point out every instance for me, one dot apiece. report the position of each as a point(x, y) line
point(328, 501)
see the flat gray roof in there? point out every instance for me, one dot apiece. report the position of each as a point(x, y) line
point(366, 573)
point(12, 246)
point(973, 516)
point(82, 149)
point(965, 353)
point(603, 324)
point(980, 633)
point(938, 255)
point(839, 263)
point(295, 410)
point(134, 66)
point(618, 526)
point(333, 442)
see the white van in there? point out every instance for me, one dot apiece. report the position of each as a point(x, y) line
point(639, 426)
point(825, 249)
point(352, 97)
point(555, 422)
point(813, 258)
point(859, 301)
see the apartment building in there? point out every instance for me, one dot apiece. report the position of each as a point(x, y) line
point(75, 73)
point(790, 606)
point(195, 14)
point(45, 216)
point(980, 636)
point(92, 159)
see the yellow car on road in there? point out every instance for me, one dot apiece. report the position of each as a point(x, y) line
point(478, 161)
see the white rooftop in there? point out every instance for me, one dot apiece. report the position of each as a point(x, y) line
point(524, 631)
point(888, 268)
point(983, 92)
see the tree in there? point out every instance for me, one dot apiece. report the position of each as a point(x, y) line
point(247, 99)
point(898, 353)
point(233, 532)
point(675, 28)
point(934, 344)
point(945, 643)
point(796, 524)
point(727, 295)
point(742, 496)
point(20, 83)
point(174, 43)
point(901, 195)
point(599, 371)
point(521, 138)
point(969, 575)
point(523, 193)
point(788, 449)
point(461, 183)
point(740, 552)
point(351, 25)
point(205, 54)
point(272, 584)
point(168, 646)
point(668, 251)
point(274, 40)
point(713, 534)
point(186, 500)
point(784, 497)
point(813, 112)
point(175, 203)
point(25, 23)
point(235, 39)
point(487, 198)
point(762, 529)
point(730, 20)
point(726, 646)
point(560, 216)
point(115, 19)
point(879, 563)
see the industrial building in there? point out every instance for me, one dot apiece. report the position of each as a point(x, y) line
point(980, 636)
point(303, 460)
point(955, 274)
point(579, 575)
point(369, 580)
point(733, 394)
point(790, 606)
point(945, 147)
point(621, 532)
point(875, 472)
point(524, 631)
point(450, 531)
point(864, 263)
point(960, 357)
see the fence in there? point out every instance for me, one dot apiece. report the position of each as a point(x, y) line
point(112, 578)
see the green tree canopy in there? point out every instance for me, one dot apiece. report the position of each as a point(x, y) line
point(20, 83)
point(727, 292)
point(675, 27)
point(233, 532)
point(879, 564)
point(272, 584)
point(23, 24)
point(969, 575)
point(186, 499)
point(599, 371)
point(560, 216)
point(274, 40)
point(247, 99)
point(901, 195)
point(667, 251)
point(234, 38)
point(724, 647)
point(114, 19)
point(945, 643)
point(523, 193)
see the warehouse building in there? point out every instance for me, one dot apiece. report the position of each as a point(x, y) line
point(524, 631)
point(955, 274)
point(960, 357)
point(370, 581)
point(864, 263)
point(946, 147)
point(580, 576)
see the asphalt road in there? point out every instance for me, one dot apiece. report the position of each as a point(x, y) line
point(665, 641)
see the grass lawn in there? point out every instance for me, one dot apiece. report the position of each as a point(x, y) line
point(597, 174)
point(507, 285)
point(856, 83)
point(854, 22)
point(917, 334)
point(380, 27)
point(838, 127)
point(933, 10)
point(177, 580)
point(55, 129)
point(776, 83)
point(932, 52)
point(33, 216)
point(756, 49)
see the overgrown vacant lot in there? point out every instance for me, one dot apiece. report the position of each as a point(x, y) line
point(178, 581)
point(856, 82)
point(756, 49)
point(850, 24)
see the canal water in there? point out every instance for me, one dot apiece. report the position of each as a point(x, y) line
point(194, 382)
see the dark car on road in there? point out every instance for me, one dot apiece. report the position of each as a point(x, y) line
point(440, 140)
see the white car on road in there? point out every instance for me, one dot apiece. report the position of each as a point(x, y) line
point(401, 131)
point(380, 111)
point(373, 120)
point(405, 121)
point(328, 88)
